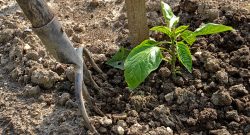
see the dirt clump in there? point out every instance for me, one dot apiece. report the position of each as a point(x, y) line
point(44, 78)
point(221, 98)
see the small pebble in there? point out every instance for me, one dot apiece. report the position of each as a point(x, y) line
point(222, 76)
point(233, 115)
point(106, 121)
point(122, 116)
point(118, 130)
point(219, 132)
point(31, 91)
point(122, 123)
point(212, 65)
point(169, 97)
point(64, 98)
point(221, 98)
point(103, 130)
point(238, 90)
point(133, 113)
point(164, 72)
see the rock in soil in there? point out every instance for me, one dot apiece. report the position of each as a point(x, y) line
point(169, 97)
point(164, 72)
point(161, 131)
point(219, 132)
point(118, 117)
point(32, 55)
point(234, 125)
point(208, 114)
point(183, 95)
point(240, 58)
point(118, 130)
point(238, 90)
point(247, 129)
point(30, 91)
point(77, 38)
point(138, 102)
point(6, 35)
point(63, 99)
point(106, 121)
point(71, 104)
point(137, 129)
point(197, 73)
point(44, 78)
point(103, 130)
point(63, 86)
point(99, 58)
point(189, 6)
point(239, 104)
point(162, 113)
point(16, 73)
point(232, 115)
point(161, 110)
point(16, 51)
point(222, 76)
point(122, 123)
point(221, 98)
point(70, 73)
point(179, 81)
point(212, 65)
point(133, 113)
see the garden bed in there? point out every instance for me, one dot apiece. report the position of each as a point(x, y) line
point(37, 93)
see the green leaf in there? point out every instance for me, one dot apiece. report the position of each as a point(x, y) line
point(211, 28)
point(162, 29)
point(188, 36)
point(168, 15)
point(173, 21)
point(180, 29)
point(141, 61)
point(184, 55)
point(166, 11)
point(117, 61)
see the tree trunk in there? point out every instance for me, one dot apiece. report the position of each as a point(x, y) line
point(137, 21)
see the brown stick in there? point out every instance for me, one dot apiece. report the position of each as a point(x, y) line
point(137, 21)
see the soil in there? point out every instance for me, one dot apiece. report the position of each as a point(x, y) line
point(37, 93)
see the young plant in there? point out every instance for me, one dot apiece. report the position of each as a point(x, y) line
point(146, 57)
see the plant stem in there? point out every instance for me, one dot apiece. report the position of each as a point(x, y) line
point(173, 61)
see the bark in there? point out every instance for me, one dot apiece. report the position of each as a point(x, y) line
point(137, 21)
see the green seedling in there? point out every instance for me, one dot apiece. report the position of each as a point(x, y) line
point(146, 57)
point(117, 61)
